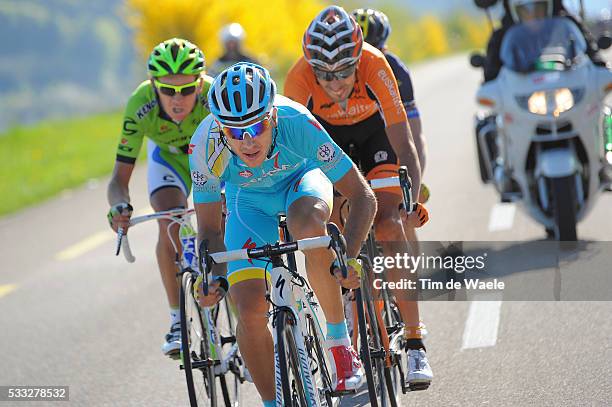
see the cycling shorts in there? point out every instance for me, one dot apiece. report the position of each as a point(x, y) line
point(366, 143)
point(165, 169)
point(252, 218)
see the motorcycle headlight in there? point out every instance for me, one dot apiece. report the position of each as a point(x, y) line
point(564, 101)
point(537, 103)
point(552, 102)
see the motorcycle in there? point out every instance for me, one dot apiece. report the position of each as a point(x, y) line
point(544, 134)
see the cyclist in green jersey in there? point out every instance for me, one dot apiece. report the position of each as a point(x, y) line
point(166, 108)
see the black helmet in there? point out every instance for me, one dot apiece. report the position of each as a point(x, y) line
point(374, 25)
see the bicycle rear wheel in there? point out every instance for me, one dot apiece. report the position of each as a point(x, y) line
point(293, 386)
point(321, 374)
point(195, 351)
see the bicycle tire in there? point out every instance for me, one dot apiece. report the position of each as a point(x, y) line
point(364, 349)
point(380, 370)
point(201, 386)
point(231, 380)
point(294, 394)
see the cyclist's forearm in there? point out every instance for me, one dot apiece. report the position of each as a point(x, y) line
point(402, 142)
point(117, 193)
point(360, 218)
point(419, 140)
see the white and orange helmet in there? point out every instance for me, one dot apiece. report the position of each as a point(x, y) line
point(333, 40)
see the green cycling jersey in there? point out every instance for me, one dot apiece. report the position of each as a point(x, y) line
point(144, 117)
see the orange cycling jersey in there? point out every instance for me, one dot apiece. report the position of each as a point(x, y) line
point(375, 90)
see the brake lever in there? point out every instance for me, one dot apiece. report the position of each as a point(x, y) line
point(406, 186)
point(204, 264)
point(120, 234)
point(338, 245)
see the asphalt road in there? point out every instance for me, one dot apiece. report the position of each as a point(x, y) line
point(76, 315)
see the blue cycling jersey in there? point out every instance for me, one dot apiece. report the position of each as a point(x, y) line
point(301, 144)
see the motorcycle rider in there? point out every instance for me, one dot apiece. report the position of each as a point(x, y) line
point(516, 11)
point(232, 37)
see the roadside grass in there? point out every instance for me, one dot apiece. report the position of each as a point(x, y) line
point(39, 161)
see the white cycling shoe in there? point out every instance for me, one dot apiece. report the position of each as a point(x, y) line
point(172, 346)
point(419, 372)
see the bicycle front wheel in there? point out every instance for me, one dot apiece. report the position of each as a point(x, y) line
point(195, 351)
point(230, 371)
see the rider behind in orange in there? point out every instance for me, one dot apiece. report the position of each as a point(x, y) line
point(350, 88)
point(376, 29)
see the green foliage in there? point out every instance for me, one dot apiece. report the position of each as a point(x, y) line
point(40, 161)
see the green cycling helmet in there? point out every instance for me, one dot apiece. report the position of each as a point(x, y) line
point(176, 56)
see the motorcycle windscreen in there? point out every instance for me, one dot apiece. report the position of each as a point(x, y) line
point(543, 45)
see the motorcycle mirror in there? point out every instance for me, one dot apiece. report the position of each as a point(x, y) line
point(604, 42)
point(477, 60)
point(484, 4)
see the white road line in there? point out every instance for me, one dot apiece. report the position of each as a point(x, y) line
point(7, 289)
point(93, 241)
point(502, 217)
point(482, 322)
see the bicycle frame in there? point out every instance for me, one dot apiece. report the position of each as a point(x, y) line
point(290, 293)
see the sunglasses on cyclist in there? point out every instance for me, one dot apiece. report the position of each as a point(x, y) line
point(171, 90)
point(254, 130)
point(330, 76)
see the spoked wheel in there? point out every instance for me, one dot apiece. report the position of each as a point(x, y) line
point(322, 377)
point(293, 390)
point(230, 376)
point(382, 373)
point(195, 352)
point(396, 378)
point(364, 350)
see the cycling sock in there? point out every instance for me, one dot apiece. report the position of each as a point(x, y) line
point(337, 331)
point(415, 344)
point(175, 316)
point(269, 403)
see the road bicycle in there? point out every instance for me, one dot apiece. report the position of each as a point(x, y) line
point(380, 330)
point(209, 350)
point(302, 363)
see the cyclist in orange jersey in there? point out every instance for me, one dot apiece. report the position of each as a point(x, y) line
point(350, 88)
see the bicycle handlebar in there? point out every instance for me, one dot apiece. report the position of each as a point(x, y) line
point(271, 250)
point(403, 181)
point(122, 239)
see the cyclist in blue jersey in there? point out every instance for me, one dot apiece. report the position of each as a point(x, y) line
point(274, 157)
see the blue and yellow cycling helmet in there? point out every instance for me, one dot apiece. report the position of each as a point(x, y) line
point(241, 94)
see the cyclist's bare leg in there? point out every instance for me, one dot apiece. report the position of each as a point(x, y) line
point(308, 217)
point(390, 234)
point(164, 199)
point(254, 337)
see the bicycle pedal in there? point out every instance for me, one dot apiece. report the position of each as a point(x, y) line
point(418, 386)
point(342, 393)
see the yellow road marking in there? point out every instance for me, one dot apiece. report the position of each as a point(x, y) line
point(93, 241)
point(85, 245)
point(6, 289)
